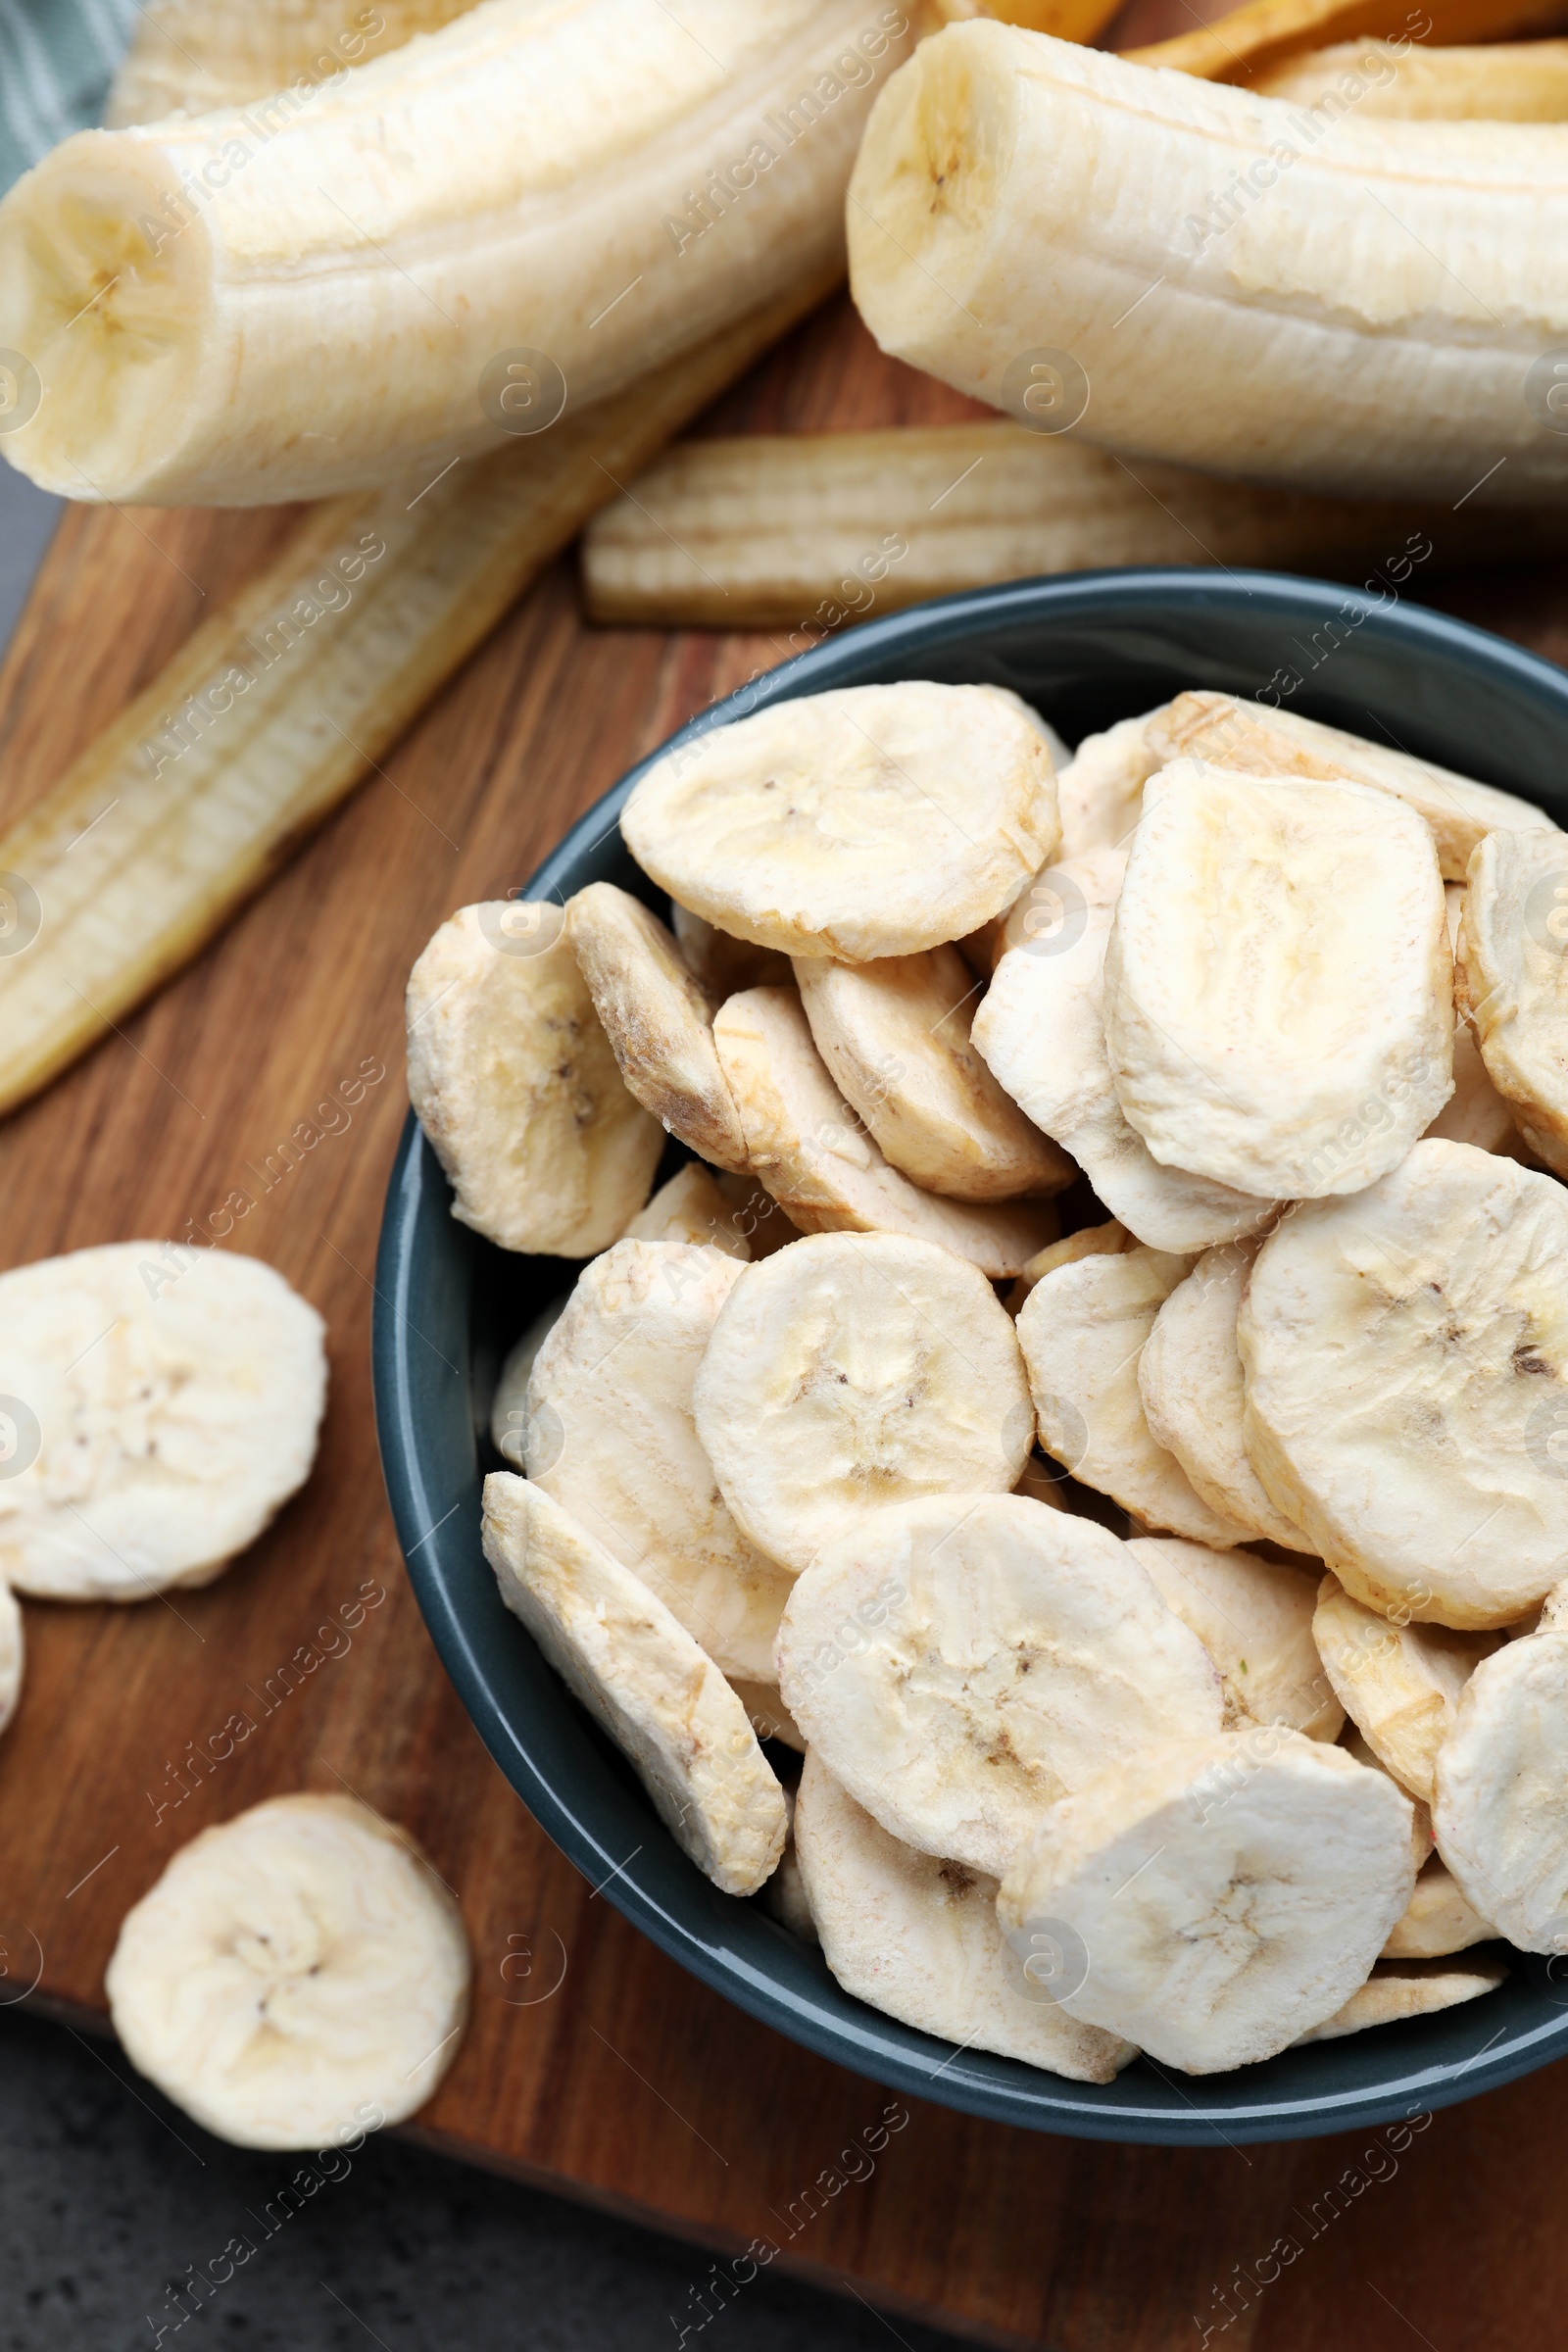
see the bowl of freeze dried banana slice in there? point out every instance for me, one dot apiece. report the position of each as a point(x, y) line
point(972, 1351)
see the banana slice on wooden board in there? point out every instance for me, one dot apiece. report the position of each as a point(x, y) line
point(852, 1371)
point(961, 1662)
point(611, 1437)
point(825, 1168)
point(1279, 989)
point(1405, 1988)
point(659, 1020)
point(1401, 1683)
point(1082, 1328)
point(690, 1208)
point(1406, 1360)
point(1090, 1240)
point(917, 1938)
point(895, 1036)
point(1214, 1900)
point(13, 1654)
point(514, 1081)
point(871, 821)
point(1421, 1836)
point(1189, 1380)
point(509, 1407)
point(1041, 1028)
point(726, 965)
point(1229, 733)
point(644, 1679)
point(1500, 1813)
point(1438, 1919)
point(1254, 1619)
point(1101, 789)
point(297, 1977)
point(1513, 965)
point(158, 1405)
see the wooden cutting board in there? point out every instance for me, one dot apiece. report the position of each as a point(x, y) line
point(593, 2065)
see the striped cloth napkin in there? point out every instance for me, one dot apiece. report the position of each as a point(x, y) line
point(56, 60)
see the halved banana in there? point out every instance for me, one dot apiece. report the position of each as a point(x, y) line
point(1406, 1988)
point(514, 1083)
point(813, 1154)
point(1082, 1328)
point(1215, 1899)
point(1500, 1813)
point(1475, 1112)
point(13, 1653)
point(895, 1036)
point(1189, 1380)
point(871, 821)
point(1041, 1028)
point(917, 1938)
point(297, 1977)
point(962, 1661)
point(1438, 1920)
point(611, 1437)
point(1401, 1683)
point(1254, 1619)
point(658, 1017)
point(1226, 732)
point(1513, 938)
point(726, 965)
point(1421, 1838)
point(158, 1405)
point(690, 1208)
point(1405, 1353)
point(509, 1407)
point(1101, 789)
point(852, 1371)
point(644, 1679)
point(1279, 990)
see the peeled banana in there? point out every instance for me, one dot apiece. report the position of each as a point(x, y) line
point(192, 56)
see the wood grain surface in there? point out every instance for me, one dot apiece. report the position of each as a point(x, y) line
point(593, 2064)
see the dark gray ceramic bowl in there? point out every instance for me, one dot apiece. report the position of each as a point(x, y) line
point(1085, 651)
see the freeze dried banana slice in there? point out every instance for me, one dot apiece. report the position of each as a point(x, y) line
point(895, 1036)
point(872, 821)
point(1101, 789)
point(1400, 1682)
point(784, 1896)
point(961, 1662)
point(852, 1371)
point(1082, 1328)
point(611, 1437)
point(1059, 753)
point(509, 1407)
point(1227, 733)
point(514, 1081)
point(1438, 1920)
point(1513, 957)
point(642, 1677)
point(1041, 1028)
point(1407, 1363)
point(1409, 1988)
point(1214, 1899)
point(690, 1208)
point(659, 1020)
point(1254, 1619)
point(723, 964)
point(767, 1713)
point(1090, 1240)
point(1189, 1380)
point(1278, 987)
point(816, 1159)
point(13, 1654)
point(1475, 1112)
point(917, 1938)
point(158, 1405)
point(1501, 1807)
point(1421, 1840)
point(297, 1977)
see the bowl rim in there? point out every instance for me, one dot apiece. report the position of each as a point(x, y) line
point(437, 1543)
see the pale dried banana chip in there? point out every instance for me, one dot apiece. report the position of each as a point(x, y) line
point(1438, 1920)
point(1227, 733)
point(813, 1153)
point(659, 1020)
point(1513, 955)
point(1090, 1240)
point(611, 1437)
point(643, 1678)
point(297, 1977)
point(1406, 1988)
point(1501, 1809)
point(1082, 1328)
point(726, 965)
point(961, 1662)
point(1059, 753)
point(784, 1896)
point(514, 1083)
point(1401, 1683)
point(852, 1371)
point(509, 1407)
point(917, 1938)
point(1214, 1900)
point(1254, 1619)
point(1475, 1112)
point(158, 1405)
point(1190, 1379)
point(1278, 986)
point(1041, 1028)
point(1421, 1838)
point(1101, 789)
point(767, 1713)
point(895, 1036)
point(691, 1208)
point(1406, 1361)
point(872, 821)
